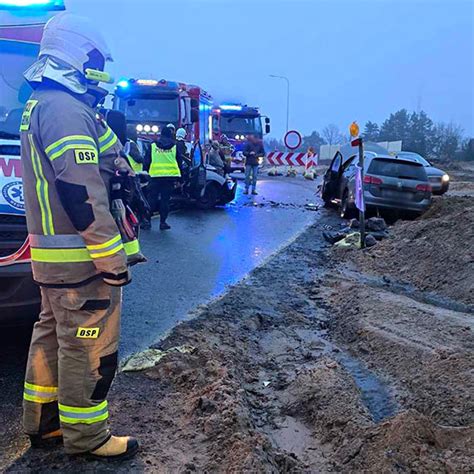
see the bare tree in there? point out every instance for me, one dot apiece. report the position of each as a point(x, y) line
point(447, 140)
point(332, 134)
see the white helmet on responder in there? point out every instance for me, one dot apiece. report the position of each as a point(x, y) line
point(74, 39)
point(180, 134)
point(73, 53)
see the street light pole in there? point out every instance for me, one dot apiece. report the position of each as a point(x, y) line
point(287, 98)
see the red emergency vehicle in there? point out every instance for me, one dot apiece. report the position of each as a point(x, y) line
point(21, 28)
point(149, 105)
point(237, 122)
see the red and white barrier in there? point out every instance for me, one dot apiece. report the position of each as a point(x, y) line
point(283, 158)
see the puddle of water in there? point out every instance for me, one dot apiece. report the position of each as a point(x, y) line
point(375, 394)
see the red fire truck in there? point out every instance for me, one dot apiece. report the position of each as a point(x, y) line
point(149, 105)
point(236, 122)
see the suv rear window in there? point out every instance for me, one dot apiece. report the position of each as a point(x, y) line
point(397, 169)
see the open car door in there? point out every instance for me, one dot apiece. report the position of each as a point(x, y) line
point(198, 174)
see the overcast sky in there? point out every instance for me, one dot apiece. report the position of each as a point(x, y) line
point(346, 60)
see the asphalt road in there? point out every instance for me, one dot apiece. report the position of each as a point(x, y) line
point(205, 251)
point(188, 265)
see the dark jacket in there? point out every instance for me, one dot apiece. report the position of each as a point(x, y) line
point(182, 156)
point(252, 152)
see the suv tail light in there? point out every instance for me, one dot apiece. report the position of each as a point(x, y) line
point(372, 180)
point(425, 188)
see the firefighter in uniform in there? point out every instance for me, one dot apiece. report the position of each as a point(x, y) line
point(69, 156)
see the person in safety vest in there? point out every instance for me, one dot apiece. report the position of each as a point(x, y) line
point(69, 156)
point(162, 166)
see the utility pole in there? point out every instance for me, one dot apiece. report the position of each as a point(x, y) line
point(287, 98)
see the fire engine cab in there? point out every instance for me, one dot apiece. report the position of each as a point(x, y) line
point(236, 122)
point(149, 105)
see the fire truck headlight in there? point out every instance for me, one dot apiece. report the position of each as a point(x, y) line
point(155, 129)
point(237, 137)
point(139, 127)
point(242, 137)
point(147, 128)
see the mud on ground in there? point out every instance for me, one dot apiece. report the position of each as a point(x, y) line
point(310, 365)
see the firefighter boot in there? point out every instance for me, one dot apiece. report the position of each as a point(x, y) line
point(117, 448)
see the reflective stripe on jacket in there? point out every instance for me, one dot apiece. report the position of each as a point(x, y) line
point(69, 156)
point(163, 163)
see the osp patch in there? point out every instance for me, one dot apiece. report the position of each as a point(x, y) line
point(87, 333)
point(86, 156)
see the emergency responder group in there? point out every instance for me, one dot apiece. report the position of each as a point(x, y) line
point(83, 235)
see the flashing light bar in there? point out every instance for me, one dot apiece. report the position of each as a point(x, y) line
point(146, 82)
point(230, 107)
point(37, 4)
point(123, 83)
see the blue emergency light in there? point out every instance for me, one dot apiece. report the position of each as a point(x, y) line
point(33, 4)
point(230, 107)
point(123, 83)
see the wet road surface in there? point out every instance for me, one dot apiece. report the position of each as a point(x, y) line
point(188, 265)
point(205, 251)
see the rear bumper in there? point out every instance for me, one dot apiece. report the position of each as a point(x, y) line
point(20, 297)
point(385, 203)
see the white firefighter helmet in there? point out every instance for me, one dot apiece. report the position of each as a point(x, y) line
point(71, 38)
point(180, 134)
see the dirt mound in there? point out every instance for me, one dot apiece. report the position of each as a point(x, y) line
point(434, 253)
point(410, 442)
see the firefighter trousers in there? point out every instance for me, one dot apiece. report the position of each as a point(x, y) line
point(71, 364)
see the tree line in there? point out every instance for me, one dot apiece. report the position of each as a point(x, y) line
point(439, 141)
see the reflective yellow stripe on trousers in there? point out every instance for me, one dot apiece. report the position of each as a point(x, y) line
point(40, 393)
point(87, 415)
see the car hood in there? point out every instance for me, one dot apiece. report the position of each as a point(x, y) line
point(432, 171)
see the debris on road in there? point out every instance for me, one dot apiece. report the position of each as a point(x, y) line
point(349, 236)
point(150, 357)
point(274, 172)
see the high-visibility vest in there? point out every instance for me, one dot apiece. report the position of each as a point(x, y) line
point(163, 163)
point(137, 167)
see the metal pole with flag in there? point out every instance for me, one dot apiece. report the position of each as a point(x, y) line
point(359, 180)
